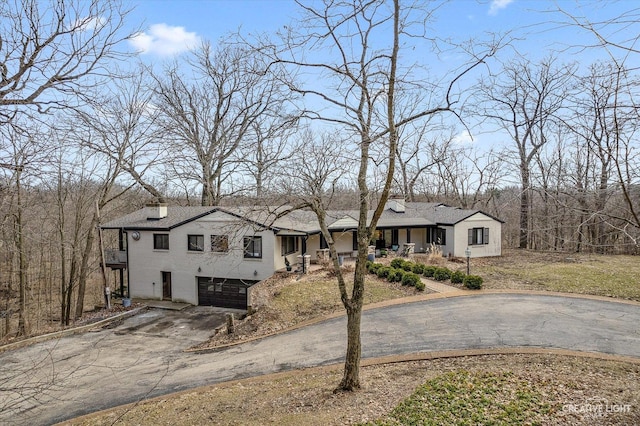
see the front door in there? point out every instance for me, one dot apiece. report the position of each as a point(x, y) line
point(166, 286)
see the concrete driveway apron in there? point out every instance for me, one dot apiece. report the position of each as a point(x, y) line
point(98, 370)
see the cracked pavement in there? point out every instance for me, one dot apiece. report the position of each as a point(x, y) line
point(144, 356)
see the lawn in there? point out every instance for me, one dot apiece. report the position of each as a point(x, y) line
point(600, 275)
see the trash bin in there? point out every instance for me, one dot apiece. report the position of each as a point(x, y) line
point(126, 302)
point(340, 260)
point(371, 257)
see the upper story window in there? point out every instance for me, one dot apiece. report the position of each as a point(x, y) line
point(219, 243)
point(478, 236)
point(252, 247)
point(289, 245)
point(161, 241)
point(195, 242)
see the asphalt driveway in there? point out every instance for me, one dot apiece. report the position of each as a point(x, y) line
point(141, 358)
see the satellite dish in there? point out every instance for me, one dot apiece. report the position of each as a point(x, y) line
point(135, 235)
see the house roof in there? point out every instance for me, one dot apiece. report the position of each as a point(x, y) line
point(299, 221)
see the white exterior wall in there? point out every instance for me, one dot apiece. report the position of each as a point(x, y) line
point(343, 242)
point(419, 237)
point(448, 248)
point(478, 220)
point(146, 264)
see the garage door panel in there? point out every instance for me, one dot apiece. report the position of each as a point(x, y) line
point(220, 292)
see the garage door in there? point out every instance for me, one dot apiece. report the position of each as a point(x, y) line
point(222, 292)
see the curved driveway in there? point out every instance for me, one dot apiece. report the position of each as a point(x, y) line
point(85, 373)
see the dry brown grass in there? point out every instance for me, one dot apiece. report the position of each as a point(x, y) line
point(306, 397)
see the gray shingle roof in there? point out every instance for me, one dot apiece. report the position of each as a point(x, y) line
point(415, 215)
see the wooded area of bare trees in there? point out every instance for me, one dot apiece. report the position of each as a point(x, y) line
point(336, 111)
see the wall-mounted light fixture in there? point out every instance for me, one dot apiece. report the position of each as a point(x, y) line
point(199, 269)
point(255, 273)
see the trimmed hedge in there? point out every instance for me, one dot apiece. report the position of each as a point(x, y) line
point(472, 282)
point(457, 277)
point(418, 268)
point(420, 286)
point(407, 266)
point(411, 279)
point(397, 263)
point(429, 270)
point(383, 272)
point(442, 274)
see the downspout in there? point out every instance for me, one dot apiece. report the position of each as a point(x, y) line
point(304, 252)
point(127, 251)
point(121, 248)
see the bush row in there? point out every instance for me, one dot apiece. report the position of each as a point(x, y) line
point(400, 275)
point(400, 268)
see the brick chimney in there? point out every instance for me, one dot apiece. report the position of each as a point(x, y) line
point(156, 211)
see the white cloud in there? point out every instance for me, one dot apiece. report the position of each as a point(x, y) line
point(164, 40)
point(463, 138)
point(496, 5)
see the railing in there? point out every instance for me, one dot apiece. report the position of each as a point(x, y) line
point(115, 258)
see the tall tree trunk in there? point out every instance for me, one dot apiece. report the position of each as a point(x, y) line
point(23, 327)
point(351, 375)
point(84, 267)
point(524, 207)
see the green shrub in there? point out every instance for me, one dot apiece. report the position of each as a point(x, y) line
point(442, 274)
point(407, 266)
point(397, 263)
point(420, 285)
point(457, 277)
point(418, 268)
point(410, 279)
point(373, 269)
point(395, 275)
point(429, 270)
point(399, 274)
point(383, 272)
point(472, 282)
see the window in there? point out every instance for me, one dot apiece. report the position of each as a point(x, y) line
point(478, 236)
point(253, 247)
point(161, 241)
point(289, 245)
point(437, 236)
point(386, 238)
point(195, 242)
point(220, 243)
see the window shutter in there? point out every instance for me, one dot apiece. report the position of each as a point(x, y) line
point(485, 236)
point(354, 240)
point(470, 236)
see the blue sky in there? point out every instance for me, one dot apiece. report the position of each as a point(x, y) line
point(171, 27)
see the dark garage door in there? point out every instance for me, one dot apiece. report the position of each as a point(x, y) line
point(224, 293)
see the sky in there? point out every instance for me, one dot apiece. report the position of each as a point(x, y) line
point(171, 27)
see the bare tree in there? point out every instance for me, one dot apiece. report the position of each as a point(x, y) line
point(524, 100)
point(231, 94)
point(26, 153)
point(121, 124)
point(358, 87)
point(52, 51)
